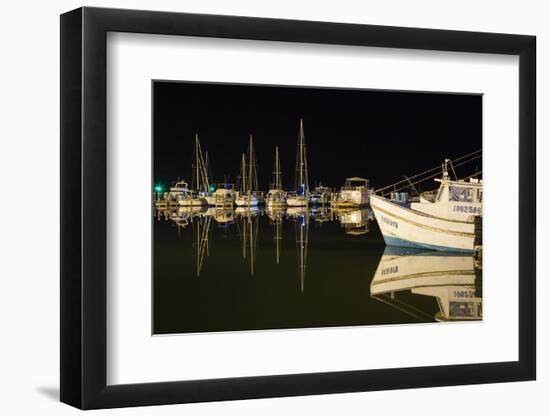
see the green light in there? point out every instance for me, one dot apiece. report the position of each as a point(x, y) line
point(159, 188)
point(212, 188)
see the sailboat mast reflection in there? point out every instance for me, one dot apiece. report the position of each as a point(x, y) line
point(247, 225)
point(301, 227)
point(201, 229)
point(276, 216)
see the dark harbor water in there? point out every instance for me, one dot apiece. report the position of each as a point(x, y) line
point(230, 270)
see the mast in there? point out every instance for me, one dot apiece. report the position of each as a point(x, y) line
point(208, 170)
point(252, 171)
point(278, 182)
point(196, 178)
point(301, 183)
point(243, 184)
point(200, 173)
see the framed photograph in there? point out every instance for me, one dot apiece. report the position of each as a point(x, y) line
point(258, 208)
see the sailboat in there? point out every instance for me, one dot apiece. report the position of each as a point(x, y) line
point(299, 198)
point(219, 195)
point(276, 197)
point(248, 195)
point(200, 183)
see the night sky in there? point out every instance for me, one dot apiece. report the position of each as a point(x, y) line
point(381, 135)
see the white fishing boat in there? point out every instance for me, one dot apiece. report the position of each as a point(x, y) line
point(446, 224)
point(197, 196)
point(248, 194)
point(299, 198)
point(449, 277)
point(276, 197)
point(354, 193)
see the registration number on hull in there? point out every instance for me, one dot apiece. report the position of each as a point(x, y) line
point(389, 222)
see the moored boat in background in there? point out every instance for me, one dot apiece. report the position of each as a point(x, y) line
point(354, 193)
point(200, 184)
point(248, 194)
point(276, 197)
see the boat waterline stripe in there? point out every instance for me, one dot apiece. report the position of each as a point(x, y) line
point(395, 241)
point(422, 226)
point(468, 272)
point(420, 213)
point(374, 291)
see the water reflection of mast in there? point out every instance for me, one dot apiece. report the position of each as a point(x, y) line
point(202, 232)
point(302, 229)
point(278, 237)
point(276, 215)
point(248, 224)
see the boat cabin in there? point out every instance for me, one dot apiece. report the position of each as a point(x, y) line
point(354, 193)
point(455, 200)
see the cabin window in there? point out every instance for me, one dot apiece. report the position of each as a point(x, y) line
point(480, 196)
point(463, 194)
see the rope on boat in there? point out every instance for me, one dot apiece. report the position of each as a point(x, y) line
point(430, 173)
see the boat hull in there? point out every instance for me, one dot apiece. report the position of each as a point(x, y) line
point(276, 203)
point(351, 198)
point(402, 226)
point(221, 198)
point(247, 202)
point(275, 199)
point(300, 201)
point(192, 202)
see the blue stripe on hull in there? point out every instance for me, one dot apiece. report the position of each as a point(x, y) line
point(394, 241)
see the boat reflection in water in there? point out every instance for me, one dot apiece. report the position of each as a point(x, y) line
point(245, 223)
point(355, 221)
point(450, 278)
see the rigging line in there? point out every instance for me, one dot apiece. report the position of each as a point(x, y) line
point(425, 173)
point(437, 168)
point(401, 187)
point(419, 181)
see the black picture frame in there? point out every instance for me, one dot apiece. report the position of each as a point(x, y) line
point(84, 207)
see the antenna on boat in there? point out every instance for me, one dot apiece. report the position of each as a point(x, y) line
point(444, 169)
point(453, 168)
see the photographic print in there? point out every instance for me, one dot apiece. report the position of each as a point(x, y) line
point(278, 207)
